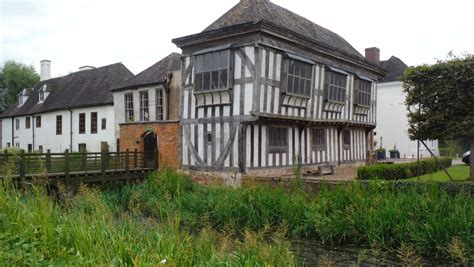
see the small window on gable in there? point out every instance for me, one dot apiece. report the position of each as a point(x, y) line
point(41, 95)
point(212, 71)
point(104, 124)
point(363, 92)
point(20, 100)
point(335, 86)
point(299, 78)
point(17, 124)
point(277, 140)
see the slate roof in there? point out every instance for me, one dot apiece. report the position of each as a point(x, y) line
point(265, 11)
point(155, 74)
point(79, 89)
point(395, 68)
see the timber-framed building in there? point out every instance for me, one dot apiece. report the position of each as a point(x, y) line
point(264, 89)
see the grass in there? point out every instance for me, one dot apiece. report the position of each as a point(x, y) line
point(169, 217)
point(460, 173)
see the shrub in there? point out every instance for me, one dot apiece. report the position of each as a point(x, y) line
point(402, 171)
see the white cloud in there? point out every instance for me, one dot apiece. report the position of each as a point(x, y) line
point(138, 33)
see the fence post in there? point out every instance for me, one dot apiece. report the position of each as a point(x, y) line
point(126, 161)
point(84, 162)
point(102, 164)
point(135, 159)
point(66, 164)
point(22, 165)
point(48, 161)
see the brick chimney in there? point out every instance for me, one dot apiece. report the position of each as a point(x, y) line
point(45, 70)
point(372, 54)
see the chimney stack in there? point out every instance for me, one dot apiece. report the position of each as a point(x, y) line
point(372, 54)
point(45, 71)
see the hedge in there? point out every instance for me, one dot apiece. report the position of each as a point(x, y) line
point(401, 171)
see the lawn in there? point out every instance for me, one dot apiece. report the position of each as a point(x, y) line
point(460, 173)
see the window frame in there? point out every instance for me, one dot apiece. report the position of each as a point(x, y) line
point(38, 121)
point(300, 77)
point(103, 124)
point(227, 86)
point(129, 107)
point(59, 124)
point(41, 95)
point(160, 104)
point(314, 144)
point(358, 92)
point(144, 105)
point(28, 122)
point(330, 87)
point(17, 124)
point(94, 122)
point(346, 139)
point(277, 148)
point(82, 123)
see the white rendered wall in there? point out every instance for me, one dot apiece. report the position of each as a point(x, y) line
point(119, 105)
point(46, 135)
point(392, 122)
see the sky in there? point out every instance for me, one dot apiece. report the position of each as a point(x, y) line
point(138, 33)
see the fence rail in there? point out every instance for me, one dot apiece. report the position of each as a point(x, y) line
point(27, 165)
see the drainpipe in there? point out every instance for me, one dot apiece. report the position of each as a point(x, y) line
point(33, 125)
point(70, 130)
point(13, 132)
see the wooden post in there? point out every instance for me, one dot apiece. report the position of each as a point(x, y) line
point(22, 165)
point(102, 164)
point(135, 159)
point(48, 161)
point(127, 169)
point(84, 162)
point(66, 165)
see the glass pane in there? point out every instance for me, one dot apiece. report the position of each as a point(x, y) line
point(290, 84)
point(215, 61)
point(214, 80)
point(207, 62)
point(199, 63)
point(224, 59)
point(308, 88)
point(198, 81)
point(292, 67)
point(207, 81)
point(223, 79)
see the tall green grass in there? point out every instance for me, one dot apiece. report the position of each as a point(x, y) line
point(91, 229)
point(380, 216)
point(169, 217)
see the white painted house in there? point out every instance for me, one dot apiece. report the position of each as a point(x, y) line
point(392, 120)
point(72, 112)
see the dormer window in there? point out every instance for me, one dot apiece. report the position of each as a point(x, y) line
point(23, 97)
point(41, 96)
point(20, 100)
point(212, 71)
point(43, 93)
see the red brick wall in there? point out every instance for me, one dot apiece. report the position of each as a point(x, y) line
point(168, 140)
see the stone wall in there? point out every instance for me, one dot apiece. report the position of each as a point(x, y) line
point(167, 140)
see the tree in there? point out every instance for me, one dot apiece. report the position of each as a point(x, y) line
point(440, 100)
point(15, 77)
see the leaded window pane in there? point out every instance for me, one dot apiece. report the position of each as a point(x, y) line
point(299, 78)
point(211, 72)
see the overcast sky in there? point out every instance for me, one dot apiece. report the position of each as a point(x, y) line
point(138, 33)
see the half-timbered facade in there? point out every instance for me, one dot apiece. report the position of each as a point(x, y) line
point(264, 89)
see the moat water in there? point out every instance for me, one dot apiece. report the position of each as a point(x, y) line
point(313, 253)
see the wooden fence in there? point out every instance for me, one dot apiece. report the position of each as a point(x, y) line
point(110, 165)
